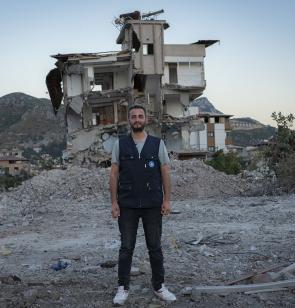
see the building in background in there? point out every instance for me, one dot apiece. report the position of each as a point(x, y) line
point(215, 136)
point(99, 87)
point(13, 163)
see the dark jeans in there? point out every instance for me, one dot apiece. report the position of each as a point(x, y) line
point(152, 225)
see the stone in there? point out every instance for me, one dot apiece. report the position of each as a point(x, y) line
point(135, 271)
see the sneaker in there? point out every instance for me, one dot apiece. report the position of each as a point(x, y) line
point(165, 295)
point(121, 296)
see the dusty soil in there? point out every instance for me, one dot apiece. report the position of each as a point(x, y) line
point(65, 215)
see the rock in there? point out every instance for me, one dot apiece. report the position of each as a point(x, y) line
point(108, 264)
point(30, 296)
point(113, 244)
point(261, 278)
point(186, 291)
point(91, 269)
point(145, 267)
point(5, 252)
point(136, 288)
point(145, 290)
point(11, 279)
point(207, 251)
point(135, 271)
point(154, 305)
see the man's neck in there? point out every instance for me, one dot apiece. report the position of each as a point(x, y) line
point(139, 136)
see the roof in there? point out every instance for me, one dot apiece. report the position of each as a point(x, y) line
point(209, 114)
point(207, 43)
point(89, 56)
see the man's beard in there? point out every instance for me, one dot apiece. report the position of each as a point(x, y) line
point(138, 129)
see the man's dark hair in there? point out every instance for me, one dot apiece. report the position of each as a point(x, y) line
point(136, 107)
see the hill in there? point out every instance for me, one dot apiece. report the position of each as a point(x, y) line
point(251, 137)
point(28, 121)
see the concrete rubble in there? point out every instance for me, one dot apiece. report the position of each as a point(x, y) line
point(59, 244)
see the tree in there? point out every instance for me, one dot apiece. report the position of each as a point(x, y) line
point(281, 153)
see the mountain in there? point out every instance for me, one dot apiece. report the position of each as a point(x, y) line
point(27, 121)
point(204, 105)
point(249, 120)
point(251, 137)
point(249, 132)
point(245, 123)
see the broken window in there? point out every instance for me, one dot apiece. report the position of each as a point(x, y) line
point(216, 119)
point(11, 162)
point(105, 80)
point(147, 49)
point(172, 72)
point(139, 82)
point(95, 119)
point(122, 113)
point(103, 115)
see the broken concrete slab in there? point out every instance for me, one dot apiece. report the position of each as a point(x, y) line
point(243, 288)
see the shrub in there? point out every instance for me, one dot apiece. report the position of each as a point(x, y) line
point(7, 181)
point(285, 171)
point(229, 163)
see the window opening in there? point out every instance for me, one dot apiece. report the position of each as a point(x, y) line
point(147, 49)
point(172, 72)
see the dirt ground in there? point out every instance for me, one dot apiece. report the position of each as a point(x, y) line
point(206, 241)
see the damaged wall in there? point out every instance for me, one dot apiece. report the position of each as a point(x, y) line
point(99, 87)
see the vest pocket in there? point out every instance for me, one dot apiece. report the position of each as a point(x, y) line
point(150, 186)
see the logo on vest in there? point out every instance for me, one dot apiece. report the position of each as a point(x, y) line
point(151, 164)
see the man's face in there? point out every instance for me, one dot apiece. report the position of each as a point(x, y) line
point(137, 120)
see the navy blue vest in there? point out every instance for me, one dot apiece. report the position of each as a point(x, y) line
point(140, 180)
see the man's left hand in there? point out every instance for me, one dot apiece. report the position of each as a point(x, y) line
point(165, 208)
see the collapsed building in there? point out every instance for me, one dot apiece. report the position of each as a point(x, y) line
point(97, 89)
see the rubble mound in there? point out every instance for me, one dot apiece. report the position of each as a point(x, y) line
point(190, 179)
point(193, 178)
point(74, 183)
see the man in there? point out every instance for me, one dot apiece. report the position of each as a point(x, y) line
point(139, 173)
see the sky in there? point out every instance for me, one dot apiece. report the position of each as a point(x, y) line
point(250, 73)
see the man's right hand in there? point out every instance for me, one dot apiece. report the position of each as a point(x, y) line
point(115, 210)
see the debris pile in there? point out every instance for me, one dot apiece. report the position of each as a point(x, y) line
point(190, 178)
point(59, 244)
point(194, 179)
